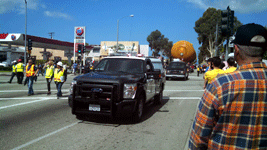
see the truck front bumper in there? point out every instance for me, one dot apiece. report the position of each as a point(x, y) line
point(108, 108)
point(174, 76)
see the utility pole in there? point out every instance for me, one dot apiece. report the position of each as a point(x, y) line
point(51, 34)
point(25, 57)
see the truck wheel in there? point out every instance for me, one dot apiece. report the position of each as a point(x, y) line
point(139, 110)
point(158, 98)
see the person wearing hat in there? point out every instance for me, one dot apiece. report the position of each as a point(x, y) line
point(31, 71)
point(20, 70)
point(13, 71)
point(49, 74)
point(60, 77)
point(232, 113)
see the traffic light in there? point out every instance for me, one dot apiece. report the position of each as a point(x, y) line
point(80, 48)
point(84, 48)
point(225, 22)
point(79, 59)
point(29, 45)
point(231, 23)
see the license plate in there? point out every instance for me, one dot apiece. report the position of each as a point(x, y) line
point(94, 107)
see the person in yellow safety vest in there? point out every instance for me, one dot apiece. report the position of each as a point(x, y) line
point(20, 70)
point(13, 71)
point(60, 76)
point(198, 69)
point(31, 71)
point(209, 75)
point(231, 64)
point(49, 74)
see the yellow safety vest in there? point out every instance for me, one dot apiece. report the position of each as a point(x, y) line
point(30, 72)
point(20, 67)
point(58, 75)
point(14, 68)
point(49, 71)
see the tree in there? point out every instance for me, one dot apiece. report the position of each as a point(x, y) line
point(155, 40)
point(205, 27)
point(167, 47)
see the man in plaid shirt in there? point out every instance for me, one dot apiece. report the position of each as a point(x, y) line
point(233, 111)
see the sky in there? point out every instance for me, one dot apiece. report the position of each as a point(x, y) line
point(175, 19)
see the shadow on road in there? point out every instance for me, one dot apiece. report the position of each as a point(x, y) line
point(149, 110)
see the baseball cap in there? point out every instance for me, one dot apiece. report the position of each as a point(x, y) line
point(245, 34)
point(19, 60)
point(59, 63)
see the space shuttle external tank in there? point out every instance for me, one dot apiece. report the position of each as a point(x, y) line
point(183, 50)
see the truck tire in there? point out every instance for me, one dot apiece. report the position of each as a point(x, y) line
point(158, 98)
point(137, 115)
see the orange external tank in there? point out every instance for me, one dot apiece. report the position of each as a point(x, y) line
point(183, 50)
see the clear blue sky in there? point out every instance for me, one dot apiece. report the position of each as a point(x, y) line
point(173, 18)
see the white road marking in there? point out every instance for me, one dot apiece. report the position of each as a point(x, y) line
point(45, 136)
point(27, 90)
point(182, 90)
point(184, 97)
point(19, 104)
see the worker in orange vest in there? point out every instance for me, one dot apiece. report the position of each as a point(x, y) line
point(31, 71)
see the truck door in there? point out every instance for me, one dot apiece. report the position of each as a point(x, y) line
point(150, 92)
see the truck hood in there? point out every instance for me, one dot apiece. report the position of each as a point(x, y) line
point(110, 77)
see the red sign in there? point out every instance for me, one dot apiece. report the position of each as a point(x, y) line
point(3, 36)
point(13, 37)
point(79, 31)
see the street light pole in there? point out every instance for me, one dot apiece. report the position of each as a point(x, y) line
point(117, 47)
point(25, 32)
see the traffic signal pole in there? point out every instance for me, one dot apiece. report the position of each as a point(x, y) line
point(227, 27)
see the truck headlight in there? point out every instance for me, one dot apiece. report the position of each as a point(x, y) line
point(71, 86)
point(168, 71)
point(182, 72)
point(129, 90)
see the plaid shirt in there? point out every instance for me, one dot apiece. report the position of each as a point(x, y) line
point(233, 111)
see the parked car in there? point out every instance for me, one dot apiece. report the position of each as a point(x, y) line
point(177, 69)
point(158, 64)
point(4, 64)
point(116, 86)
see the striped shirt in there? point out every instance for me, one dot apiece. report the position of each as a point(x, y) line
point(232, 113)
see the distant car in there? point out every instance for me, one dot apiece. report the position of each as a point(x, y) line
point(4, 64)
point(177, 69)
point(158, 64)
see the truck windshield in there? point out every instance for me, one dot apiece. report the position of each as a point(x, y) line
point(120, 65)
point(176, 65)
point(157, 65)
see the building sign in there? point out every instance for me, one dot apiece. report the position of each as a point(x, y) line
point(79, 31)
point(109, 47)
point(13, 37)
point(79, 37)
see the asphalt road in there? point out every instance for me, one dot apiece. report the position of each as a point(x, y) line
point(44, 122)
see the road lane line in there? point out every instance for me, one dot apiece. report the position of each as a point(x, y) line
point(45, 136)
point(181, 90)
point(27, 90)
point(42, 99)
point(184, 97)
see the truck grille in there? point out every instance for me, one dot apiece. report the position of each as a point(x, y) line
point(96, 93)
